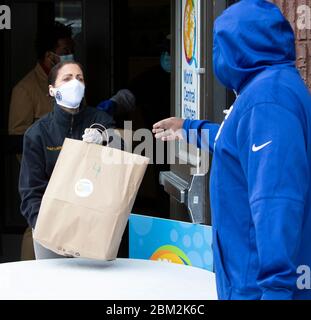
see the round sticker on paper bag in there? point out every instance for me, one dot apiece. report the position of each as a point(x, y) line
point(84, 188)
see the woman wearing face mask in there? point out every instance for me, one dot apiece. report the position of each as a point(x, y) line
point(44, 139)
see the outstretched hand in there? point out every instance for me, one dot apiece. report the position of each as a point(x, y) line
point(168, 129)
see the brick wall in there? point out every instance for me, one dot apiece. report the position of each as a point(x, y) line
point(303, 35)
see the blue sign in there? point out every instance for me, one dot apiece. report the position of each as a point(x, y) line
point(172, 241)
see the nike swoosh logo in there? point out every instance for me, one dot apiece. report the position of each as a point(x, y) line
point(255, 149)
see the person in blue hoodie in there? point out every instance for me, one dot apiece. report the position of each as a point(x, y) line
point(260, 184)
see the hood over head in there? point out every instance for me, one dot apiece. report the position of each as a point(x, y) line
point(249, 37)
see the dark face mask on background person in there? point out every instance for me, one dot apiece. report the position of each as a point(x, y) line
point(166, 62)
point(62, 58)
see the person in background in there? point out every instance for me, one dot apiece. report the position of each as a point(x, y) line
point(152, 89)
point(165, 58)
point(30, 99)
point(44, 139)
point(260, 184)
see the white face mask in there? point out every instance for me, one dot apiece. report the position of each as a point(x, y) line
point(70, 94)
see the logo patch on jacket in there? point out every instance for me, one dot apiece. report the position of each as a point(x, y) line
point(58, 148)
point(58, 96)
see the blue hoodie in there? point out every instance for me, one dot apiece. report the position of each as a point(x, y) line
point(260, 178)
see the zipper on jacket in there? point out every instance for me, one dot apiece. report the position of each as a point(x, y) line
point(71, 125)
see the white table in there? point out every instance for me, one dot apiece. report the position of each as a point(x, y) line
point(121, 279)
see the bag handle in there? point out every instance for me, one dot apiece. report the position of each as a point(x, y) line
point(103, 132)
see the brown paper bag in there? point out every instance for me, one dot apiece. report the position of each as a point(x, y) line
point(88, 200)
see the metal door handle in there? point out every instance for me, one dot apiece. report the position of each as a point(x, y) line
point(191, 194)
